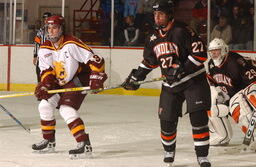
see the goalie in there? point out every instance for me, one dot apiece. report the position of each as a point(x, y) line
point(232, 79)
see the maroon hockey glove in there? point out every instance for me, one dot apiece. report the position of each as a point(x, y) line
point(48, 83)
point(97, 79)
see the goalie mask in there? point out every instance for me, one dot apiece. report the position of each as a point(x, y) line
point(55, 27)
point(165, 6)
point(217, 50)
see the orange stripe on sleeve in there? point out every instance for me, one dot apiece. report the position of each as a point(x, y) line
point(200, 58)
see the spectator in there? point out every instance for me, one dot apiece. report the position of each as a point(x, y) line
point(222, 30)
point(199, 20)
point(131, 32)
point(144, 14)
point(235, 16)
point(130, 7)
point(240, 35)
point(249, 44)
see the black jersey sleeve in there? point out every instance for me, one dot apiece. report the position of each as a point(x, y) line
point(197, 54)
point(149, 59)
point(245, 69)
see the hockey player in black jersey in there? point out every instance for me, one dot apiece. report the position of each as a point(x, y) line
point(180, 54)
point(232, 78)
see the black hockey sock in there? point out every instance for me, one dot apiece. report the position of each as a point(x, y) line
point(168, 135)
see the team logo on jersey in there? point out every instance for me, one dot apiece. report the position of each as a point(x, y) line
point(60, 71)
point(165, 48)
point(153, 37)
point(221, 78)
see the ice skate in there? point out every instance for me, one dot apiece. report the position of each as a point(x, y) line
point(45, 146)
point(203, 162)
point(169, 158)
point(83, 150)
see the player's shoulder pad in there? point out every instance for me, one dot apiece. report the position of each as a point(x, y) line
point(48, 45)
point(233, 56)
point(69, 39)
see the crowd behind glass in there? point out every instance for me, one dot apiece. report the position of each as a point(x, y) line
point(231, 20)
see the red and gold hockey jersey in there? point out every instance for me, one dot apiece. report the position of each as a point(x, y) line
point(235, 73)
point(67, 60)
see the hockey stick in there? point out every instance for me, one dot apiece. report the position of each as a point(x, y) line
point(85, 89)
point(14, 118)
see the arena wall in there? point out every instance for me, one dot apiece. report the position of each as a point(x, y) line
point(17, 73)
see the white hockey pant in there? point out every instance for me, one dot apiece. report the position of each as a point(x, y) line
point(239, 106)
point(47, 107)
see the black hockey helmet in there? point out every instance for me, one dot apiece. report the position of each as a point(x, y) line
point(46, 15)
point(165, 6)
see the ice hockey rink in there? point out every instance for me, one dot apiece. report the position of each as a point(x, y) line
point(124, 132)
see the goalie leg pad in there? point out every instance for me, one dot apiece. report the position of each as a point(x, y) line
point(240, 110)
point(69, 114)
point(219, 110)
point(222, 131)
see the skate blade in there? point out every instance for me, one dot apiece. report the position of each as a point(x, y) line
point(45, 151)
point(87, 155)
point(169, 164)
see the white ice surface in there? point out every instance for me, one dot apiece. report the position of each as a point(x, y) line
point(124, 132)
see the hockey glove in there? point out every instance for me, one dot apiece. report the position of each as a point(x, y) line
point(97, 79)
point(48, 83)
point(129, 83)
point(222, 97)
point(174, 74)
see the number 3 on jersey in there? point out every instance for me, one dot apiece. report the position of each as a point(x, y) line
point(166, 62)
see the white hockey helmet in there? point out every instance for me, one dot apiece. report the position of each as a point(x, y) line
point(218, 44)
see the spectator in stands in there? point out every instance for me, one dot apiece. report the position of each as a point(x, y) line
point(222, 30)
point(144, 16)
point(105, 6)
point(131, 32)
point(240, 35)
point(249, 44)
point(199, 19)
point(130, 7)
point(235, 16)
point(199, 15)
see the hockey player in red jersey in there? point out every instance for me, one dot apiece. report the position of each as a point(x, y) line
point(180, 54)
point(65, 62)
point(233, 78)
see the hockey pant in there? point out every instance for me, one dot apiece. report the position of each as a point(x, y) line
point(200, 130)
point(69, 114)
point(240, 108)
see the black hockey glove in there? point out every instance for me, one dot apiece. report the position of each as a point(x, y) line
point(174, 74)
point(129, 84)
point(135, 76)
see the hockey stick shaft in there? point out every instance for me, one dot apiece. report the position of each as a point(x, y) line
point(249, 133)
point(87, 89)
point(14, 118)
